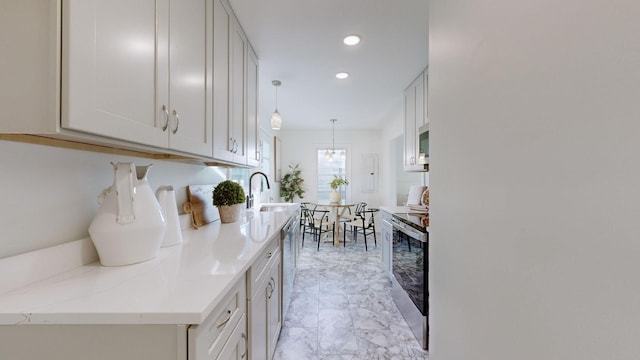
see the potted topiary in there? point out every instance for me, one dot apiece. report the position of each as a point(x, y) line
point(334, 196)
point(228, 197)
point(291, 184)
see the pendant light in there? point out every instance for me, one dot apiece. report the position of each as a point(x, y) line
point(276, 119)
point(329, 155)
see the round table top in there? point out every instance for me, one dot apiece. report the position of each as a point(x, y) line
point(342, 203)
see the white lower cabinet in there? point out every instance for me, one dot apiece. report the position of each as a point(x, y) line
point(387, 241)
point(236, 347)
point(265, 303)
point(209, 340)
point(95, 342)
point(223, 335)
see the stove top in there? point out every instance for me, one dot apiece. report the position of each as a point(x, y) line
point(419, 222)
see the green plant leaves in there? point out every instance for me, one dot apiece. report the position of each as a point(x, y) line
point(291, 184)
point(228, 193)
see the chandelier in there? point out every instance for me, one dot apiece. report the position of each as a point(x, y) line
point(329, 154)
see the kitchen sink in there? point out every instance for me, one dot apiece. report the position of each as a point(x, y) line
point(277, 207)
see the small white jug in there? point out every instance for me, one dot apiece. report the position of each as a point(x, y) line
point(167, 199)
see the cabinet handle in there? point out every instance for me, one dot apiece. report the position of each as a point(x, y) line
point(270, 289)
point(230, 144)
point(246, 345)
point(221, 324)
point(235, 146)
point(166, 118)
point(175, 114)
point(269, 255)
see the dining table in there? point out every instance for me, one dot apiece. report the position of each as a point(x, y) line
point(337, 210)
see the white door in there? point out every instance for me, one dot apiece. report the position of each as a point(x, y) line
point(109, 68)
point(238, 52)
point(189, 128)
point(253, 151)
point(222, 137)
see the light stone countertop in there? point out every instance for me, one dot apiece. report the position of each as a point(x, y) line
point(394, 209)
point(180, 286)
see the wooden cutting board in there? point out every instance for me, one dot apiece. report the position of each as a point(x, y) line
point(200, 205)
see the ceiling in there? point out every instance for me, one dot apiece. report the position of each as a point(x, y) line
point(299, 42)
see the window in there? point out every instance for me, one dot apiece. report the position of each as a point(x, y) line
point(327, 168)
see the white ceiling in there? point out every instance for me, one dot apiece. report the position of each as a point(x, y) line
point(299, 42)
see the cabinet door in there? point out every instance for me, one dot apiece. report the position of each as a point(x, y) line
point(258, 321)
point(189, 128)
point(414, 117)
point(222, 137)
point(266, 312)
point(109, 68)
point(274, 308)
point(238, 50)
point(387, 233)
point(409, 126)
point(253, 151)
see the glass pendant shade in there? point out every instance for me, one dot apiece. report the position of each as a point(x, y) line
point(276, 120)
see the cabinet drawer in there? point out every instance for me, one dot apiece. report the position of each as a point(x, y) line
point(260, 267)
point(238, 345)
point(207, 339)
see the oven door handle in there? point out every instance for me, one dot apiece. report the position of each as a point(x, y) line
point(408, 231)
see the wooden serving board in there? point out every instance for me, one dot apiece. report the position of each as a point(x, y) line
point(200, 205)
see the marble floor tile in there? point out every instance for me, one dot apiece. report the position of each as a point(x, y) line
point(297, 344)
point(341, 308)
point(332, 300)
point(337, 340)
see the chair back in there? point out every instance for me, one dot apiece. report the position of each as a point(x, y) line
point(368, 217)
point(360, 207)
point(314, 218)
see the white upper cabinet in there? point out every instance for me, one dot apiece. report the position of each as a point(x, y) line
point(109, 68)
point(235, 90)
point(238, 62)
point(415, 117)
point(136, 71)
point(175, 77)
point(190, 128)
point(253, 150)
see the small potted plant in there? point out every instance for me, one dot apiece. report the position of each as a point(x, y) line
point(228, 197)
point(334, 196)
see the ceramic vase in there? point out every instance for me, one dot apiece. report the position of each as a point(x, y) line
point(129, 226)
point(334, 197)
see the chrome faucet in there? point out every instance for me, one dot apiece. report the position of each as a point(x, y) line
point(250, 197)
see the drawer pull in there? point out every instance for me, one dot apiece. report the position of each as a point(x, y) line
point(221, 324)
point(269, 255)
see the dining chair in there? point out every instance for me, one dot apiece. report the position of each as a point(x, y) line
point(305, 205)
point(317, 222)
point(365, 222)
point(361, 206)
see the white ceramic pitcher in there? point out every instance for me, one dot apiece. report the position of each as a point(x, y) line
point(129, 227)
point(167, 199)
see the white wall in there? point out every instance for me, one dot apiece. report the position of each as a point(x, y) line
point(49, 194)
point(299, 146)
point(535, 179)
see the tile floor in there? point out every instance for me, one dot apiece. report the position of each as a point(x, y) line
point(341, 308)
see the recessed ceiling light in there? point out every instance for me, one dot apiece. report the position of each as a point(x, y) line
point(351, 40)
point(342, 75)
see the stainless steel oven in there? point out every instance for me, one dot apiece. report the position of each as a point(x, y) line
point(409, 263)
